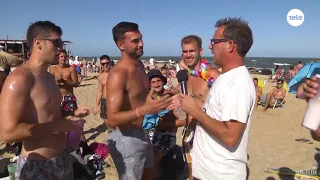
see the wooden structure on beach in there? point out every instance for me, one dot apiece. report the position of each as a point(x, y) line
point(20, 48)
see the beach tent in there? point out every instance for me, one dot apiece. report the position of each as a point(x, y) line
point(305, 72)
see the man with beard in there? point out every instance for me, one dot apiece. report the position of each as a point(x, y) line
point(128, 102)
point(200, 79)
point(101, 96)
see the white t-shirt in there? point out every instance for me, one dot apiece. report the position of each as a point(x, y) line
point(151, 61)
point(231, 96)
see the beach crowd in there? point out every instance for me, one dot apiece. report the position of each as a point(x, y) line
point(142, 106)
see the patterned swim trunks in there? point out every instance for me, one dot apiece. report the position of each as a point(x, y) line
point(164, 141)
point(68, 103)
point(103, 108)
point(59, 168)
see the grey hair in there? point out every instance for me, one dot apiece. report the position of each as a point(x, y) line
point(237, 30)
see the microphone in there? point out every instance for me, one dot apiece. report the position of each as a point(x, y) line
point(182, 77)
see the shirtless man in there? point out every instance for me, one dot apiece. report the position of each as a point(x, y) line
point(101, 96)
point(84, 67)
point(197, 86)
point(164, 135)
point(32, 112)
point(128, 102)
point(276, 93)
point(66, 79)
point(258, 91)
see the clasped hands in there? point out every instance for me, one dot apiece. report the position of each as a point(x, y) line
point(171, 101)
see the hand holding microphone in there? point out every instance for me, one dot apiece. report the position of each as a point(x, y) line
point(182, 77)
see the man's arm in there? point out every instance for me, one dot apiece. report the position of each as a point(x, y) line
point(13, 113)
point(228, 132)
point(99, 92)
point(116, 85)
point(74, 77)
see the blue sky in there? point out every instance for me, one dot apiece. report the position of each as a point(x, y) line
point(163, 23)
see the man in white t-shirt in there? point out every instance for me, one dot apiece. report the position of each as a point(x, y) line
point(220, 144)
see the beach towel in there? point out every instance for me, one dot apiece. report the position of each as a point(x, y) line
point(152, 120)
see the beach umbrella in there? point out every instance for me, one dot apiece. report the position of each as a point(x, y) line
point(305, 72)
point(8, 60)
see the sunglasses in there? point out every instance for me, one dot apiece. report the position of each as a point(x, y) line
point(105, 64)
point(55, 42)
point(216, 41)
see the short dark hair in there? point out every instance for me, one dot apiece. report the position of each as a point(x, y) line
point(64, 51)
point(237, 30)
point(280, 80)
point(255, 79)
point(41, 29)
point(121, 28)
point(105, 57)
point(192, 38)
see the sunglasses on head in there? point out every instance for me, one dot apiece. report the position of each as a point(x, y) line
point(56, 42)
point(106, 63)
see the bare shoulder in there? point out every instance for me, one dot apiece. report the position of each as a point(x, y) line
point(20, 79)
point(52, 68)
point(117, 73)
point(213, 72)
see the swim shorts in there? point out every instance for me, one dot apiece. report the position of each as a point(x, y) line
point(264, 99)
point(103, 108)
point(164, 141)
point(131, 152)
point(56, 168)
point(68, 103)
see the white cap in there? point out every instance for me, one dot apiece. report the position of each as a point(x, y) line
point(318, 76)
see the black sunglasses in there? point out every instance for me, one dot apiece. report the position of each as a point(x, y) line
point(216, 41)
point(106, 63)
point(55, 42)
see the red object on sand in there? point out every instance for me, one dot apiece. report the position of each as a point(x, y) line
point(100, 148)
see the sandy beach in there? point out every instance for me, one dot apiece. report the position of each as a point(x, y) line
point(272, 136)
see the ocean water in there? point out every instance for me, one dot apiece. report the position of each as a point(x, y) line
point(257, 62)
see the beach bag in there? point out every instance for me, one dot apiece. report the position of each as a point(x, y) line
point(101, 149)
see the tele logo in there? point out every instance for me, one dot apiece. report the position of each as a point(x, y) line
point(295, 17)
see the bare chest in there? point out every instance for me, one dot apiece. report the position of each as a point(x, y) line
point(198, 87)
point(103, 79)
point(46, 97)
point(137, 87)
point(65, 73)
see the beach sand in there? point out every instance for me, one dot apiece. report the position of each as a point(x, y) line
point(271, 140)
